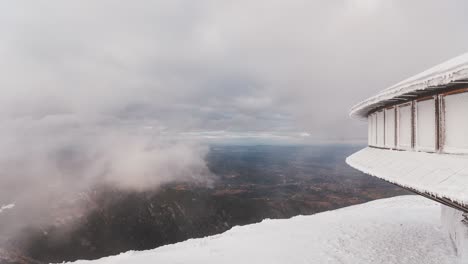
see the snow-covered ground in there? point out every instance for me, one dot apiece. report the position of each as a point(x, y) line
point(403, 229)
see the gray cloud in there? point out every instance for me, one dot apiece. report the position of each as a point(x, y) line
point(217, 65)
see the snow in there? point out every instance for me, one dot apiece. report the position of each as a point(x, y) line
point(435, 77)
point(441, 175)
point(403, 229)
point(453, 222)
point(6, 207)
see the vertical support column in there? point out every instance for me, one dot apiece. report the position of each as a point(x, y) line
point(396, 127)
point(384, 125)
point(413, 125)
point(376, 132)
point(455, 224)
point(437, 123)
point(441, 121)
point(397, 121)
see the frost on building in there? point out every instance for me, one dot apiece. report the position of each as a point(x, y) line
point(418, 139)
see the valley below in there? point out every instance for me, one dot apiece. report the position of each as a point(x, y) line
point(251, 183)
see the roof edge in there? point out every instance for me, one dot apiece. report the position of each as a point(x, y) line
point(435, 78)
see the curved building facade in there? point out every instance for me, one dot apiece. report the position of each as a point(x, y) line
point(418, 139)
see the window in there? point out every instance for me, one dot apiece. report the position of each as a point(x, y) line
point(369, 130)
point(404, 126)
point(372, 130)
point(456, 123)
point(390, 126)
point(425, 134)
point(380, 129)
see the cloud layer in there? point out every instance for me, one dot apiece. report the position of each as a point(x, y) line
point(216, 65)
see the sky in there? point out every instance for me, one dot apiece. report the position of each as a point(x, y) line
point(218, 69)
point(131, 92)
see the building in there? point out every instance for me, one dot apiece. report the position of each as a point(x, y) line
point(418, 139)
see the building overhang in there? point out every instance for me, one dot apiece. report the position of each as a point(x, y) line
point(448, 75)
point(441, 177)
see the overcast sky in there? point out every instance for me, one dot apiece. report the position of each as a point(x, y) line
point(215, 69)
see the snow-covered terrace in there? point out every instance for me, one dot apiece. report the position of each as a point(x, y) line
point(418, 133)
point(443, 177)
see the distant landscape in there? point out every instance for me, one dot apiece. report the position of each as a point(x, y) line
point(252, 183)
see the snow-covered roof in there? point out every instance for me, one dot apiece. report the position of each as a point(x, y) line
point(443, 176)
point(403, 229)
point(437, 77)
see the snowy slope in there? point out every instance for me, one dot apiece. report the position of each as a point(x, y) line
point(403, 229)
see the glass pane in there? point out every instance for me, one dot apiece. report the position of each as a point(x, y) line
point(404, 127)
point(369, 130)
point(380, 129)
point(456, 123)
point(426, 125)
point(374, 130)
point(390, 128)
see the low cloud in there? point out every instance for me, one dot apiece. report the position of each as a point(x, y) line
point(54, 160)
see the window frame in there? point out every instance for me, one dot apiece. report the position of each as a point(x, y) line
point(411, 145)
point(436, 125)
point(442, 122)
point(391, 109)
